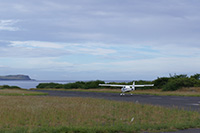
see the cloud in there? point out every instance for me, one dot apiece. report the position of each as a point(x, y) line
point(27, 49)
point(149, 67)
point(37, 49)
point(49, 64)
point(36, 44)
point(129, 37)
point(96, 51)
point(108, 21)
point(8, 25)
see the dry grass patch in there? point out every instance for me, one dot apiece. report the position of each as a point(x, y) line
point(53, 114)
point(192, 91)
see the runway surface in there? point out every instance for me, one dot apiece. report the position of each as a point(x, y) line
point(188, 103)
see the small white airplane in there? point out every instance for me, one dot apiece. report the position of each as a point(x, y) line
point(126, 88)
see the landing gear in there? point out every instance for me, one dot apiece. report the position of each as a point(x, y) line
point(122, 94)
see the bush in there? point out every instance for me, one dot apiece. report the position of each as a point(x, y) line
point(9, 87)
point(14, 87)
point(72, 85)
point(49, 85)
point(160, 82)
point(196, 76)
point(76, 85)
point(93, 84)
point(5, 87)
point(175, 84)
point(179, 76)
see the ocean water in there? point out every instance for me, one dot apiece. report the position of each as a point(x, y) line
point(27, 84)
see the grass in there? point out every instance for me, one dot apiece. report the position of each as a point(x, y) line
point(191, 91)
point(19, 92)
point(63, 114)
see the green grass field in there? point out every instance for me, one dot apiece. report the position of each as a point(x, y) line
point(19, 92)
point(61, 114)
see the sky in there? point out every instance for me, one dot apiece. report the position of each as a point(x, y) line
point(99, 39)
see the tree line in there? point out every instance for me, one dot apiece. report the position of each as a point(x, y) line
point(176, 82)
point(9, 87)
point(171, 83)
point(76, 85)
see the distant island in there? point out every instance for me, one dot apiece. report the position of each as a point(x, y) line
point(15, 77)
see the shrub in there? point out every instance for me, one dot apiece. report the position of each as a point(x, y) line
point(76, 85)
point(179, 76)
point(49, 85)
point(5, 86)
point(14, 87)
point(175, 84)
point(93, 84)
point(72, 85)
point(160, 82)
point(9, 87)
point(196, 76)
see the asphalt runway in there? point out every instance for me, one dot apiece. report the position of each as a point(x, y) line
point(187, 103)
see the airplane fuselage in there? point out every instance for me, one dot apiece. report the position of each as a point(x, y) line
point(127, 89)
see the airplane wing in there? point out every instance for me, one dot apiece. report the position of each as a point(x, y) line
point(144, 85)
point(113, 85)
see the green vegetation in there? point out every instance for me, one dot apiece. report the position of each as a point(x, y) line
point(171, 83)
point(76, 85)
point(83, 85)
point(55, 114)
point(19, 92)
point(9, 87)
point(176, 82)
point(6, 90)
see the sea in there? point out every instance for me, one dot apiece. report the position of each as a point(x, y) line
point(28, 84)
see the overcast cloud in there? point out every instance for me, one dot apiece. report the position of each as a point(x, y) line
point(99, 39)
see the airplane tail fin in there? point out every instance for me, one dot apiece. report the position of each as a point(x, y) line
point(133, 86)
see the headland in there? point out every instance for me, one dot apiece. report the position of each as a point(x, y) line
point(15, 77)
